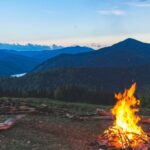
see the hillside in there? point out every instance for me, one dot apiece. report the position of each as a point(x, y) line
point(11, 63)
point(47, 54)
point(77, 85)
point(128, 53)
point(15, 62)
point(111, 69)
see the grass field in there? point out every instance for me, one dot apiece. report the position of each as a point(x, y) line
point(53, 131)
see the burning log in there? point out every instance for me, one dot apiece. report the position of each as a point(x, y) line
point(125, 133)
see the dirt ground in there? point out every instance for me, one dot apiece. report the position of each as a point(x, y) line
point(51, 133)
point(54, 132)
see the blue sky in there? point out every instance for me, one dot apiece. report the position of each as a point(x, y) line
point(67, 22)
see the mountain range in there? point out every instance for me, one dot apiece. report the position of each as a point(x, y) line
point(127, 53)
point(28, 47)
point(15, 62)
point(109, 68)
point(91, 76)
point(12, 63)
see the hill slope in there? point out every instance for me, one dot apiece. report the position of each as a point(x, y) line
point(77, 84)
point(15, 62)
point(47, 54)
point(106, 71)
point(11, 63)
point(128, 53)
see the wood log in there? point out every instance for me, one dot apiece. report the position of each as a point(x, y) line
point(101, 115)
point(102, 112)
point(8, 123)
point(145, 119)
point(88, 117)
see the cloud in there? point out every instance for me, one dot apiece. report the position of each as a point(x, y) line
point(139, 5)
point(143, 0)
point(115, 12)
point(142, 5)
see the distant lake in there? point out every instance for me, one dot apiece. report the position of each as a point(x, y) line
point(19, 75)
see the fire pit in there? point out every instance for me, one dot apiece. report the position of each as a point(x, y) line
point(125, 133)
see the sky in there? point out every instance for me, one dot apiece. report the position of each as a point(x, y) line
point(74, 22)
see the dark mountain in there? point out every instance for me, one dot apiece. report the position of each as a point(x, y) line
point(45, 54)
point(87, 77)
point(128, 53)
point(11, 63)
point(14, 62)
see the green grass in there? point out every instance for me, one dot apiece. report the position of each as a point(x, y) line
point(77, 107)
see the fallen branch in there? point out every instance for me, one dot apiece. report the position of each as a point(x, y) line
point(8, 123)
point(88, 117)
point(101, 114)
point(12, 107)
point(145, 120)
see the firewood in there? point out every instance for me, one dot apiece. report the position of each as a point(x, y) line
point(11, 107)
point(101, 115)
point(8, 123)
point(88, 117)
point(145, 119)
point(103, 112)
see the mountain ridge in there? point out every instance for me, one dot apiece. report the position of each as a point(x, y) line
point(16, 62)
point(129, 52)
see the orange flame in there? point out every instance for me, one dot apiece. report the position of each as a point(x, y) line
point(125, 131)
point(125, 111)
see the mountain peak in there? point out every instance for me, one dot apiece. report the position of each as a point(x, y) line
point(129, 42)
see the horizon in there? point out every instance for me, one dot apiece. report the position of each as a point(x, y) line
point(80, 22)
point(96, 47)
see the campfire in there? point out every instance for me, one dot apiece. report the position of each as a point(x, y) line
point(125, 133)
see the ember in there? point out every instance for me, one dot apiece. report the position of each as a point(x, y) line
point(125, 132)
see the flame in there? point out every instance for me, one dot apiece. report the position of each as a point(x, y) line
point(125, 131)
point(125, 111)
